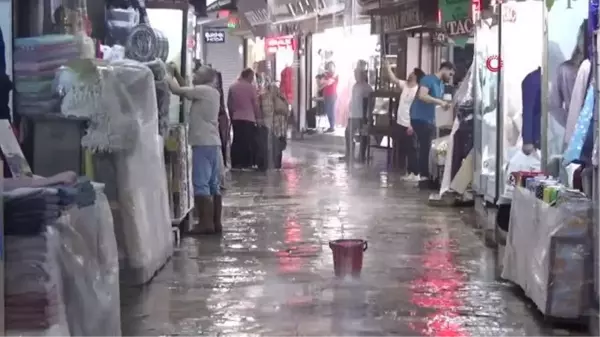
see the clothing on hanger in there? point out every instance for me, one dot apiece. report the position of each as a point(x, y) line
point(576, 144)
point(287, 83)
point(562, 90)
point(532, 112)
point(577, 98)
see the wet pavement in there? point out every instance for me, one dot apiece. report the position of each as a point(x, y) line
point(426, 271)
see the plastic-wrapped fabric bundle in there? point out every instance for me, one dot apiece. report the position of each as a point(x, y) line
point(92, 90)
point(460, 141)
point(62, 262)
point(548, 251)
point(91, 294)
point(163, 94)
point(119, 23)
point(140, 209)
point(437, 155)
point(146, 44)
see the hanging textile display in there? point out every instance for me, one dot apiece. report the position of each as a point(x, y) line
point(460, 142)
point(567, 29)
point(574, 150)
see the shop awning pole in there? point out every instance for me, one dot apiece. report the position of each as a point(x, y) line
point(544, 92)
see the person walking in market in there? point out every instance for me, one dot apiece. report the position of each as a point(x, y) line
point(328, 84)
point(272, 127)
point(242, 103)
point(403, 132)
point(360, 105)
point(205, 140)
point(422, 113)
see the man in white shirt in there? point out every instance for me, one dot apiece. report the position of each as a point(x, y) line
point(359, 107)
point(404, 143)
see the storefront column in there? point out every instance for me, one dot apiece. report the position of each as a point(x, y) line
point(299, 106)
point(544, 93)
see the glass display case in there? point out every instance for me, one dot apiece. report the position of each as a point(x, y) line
point(486, 107)
point(521, 29)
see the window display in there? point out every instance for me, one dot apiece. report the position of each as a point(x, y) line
point(521, 30)
point(486, 107)
point(567, 24)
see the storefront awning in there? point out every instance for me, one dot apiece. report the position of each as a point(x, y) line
point(274, 17)
point(256, 13)
point(409, 15)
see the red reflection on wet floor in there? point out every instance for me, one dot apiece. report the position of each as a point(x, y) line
point(436, 290)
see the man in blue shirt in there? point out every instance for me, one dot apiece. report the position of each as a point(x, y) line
point(422, 112)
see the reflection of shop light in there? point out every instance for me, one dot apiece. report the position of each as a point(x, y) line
point(437, 289)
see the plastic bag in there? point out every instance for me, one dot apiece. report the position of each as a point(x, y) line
point(547, 251)
point(92, 295)
point(114, 53)
point(519, 162)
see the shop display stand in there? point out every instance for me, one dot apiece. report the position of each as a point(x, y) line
point(179, 179)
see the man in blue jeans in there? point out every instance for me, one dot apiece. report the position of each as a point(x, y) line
point(205, 140)
point(422, 112)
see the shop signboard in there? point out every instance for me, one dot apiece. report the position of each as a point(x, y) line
point(214, 36)
point(279, 43)
point(406, 16)
point(456, 19)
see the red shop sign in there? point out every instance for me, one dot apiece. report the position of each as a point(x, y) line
point(275, 44)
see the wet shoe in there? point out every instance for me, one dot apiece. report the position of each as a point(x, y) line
point(205, 214)
point(217, 212)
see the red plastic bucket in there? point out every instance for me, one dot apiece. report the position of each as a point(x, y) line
point(348, 256)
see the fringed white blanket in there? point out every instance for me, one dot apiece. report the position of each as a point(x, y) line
point(111, 95)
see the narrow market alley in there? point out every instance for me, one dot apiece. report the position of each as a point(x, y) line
point(426, 271)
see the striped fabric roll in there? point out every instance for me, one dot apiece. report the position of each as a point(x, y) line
point(146, 44)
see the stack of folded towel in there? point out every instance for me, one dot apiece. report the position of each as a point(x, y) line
point(27, 211)
point(33, 301)
point(36, 61)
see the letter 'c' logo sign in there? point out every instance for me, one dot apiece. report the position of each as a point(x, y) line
point(493, 63)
